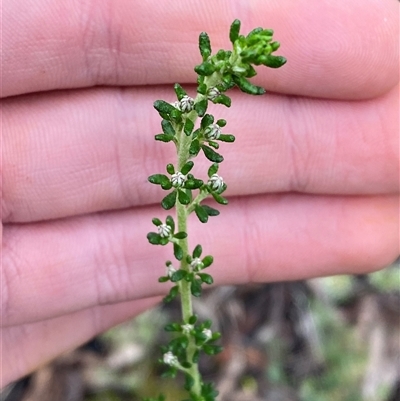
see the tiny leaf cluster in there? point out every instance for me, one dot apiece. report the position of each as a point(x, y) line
point(186, 123)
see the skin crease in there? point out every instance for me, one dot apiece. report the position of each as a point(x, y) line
point(313, 176)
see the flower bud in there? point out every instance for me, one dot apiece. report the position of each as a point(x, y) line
point(207, 333)
point(216, 182)
point(196, 264)
point(164, 230)
point(212, 132)
point(212, 93)
point(186, 104)
point(170, 270)
point(170, 359)
point(178, 179)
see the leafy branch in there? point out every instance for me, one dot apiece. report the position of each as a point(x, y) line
point(217, 74)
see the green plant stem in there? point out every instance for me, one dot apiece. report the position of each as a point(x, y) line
point(184, 286)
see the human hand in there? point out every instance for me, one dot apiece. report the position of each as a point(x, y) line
point(313, 175)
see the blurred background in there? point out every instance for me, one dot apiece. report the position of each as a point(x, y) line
point(325, 339)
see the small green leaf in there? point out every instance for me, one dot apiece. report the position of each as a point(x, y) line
point(226, 138)
point(212, 349)
point(208, 392)
point(194, 147)
point(189, 382)
point(189, 277)
point(213, 144)
point(172, 327)
point(163, 138)
point(206, 278)
point(221, 122)
point(180, 235)
point(210, 210)
point(178, 344)
point(202, 89)
point(176, 115)
point(250, 71)
point(187, 167)
point(205, 69)
point(167, 185)
point(275, 46)
point(158, 179)
point(163, 107)
point(183, 197)
point(170, 222)
point(157, 222)
point(195, 288)
point(169, 201)
point(234, 31)
point(213, 169)
point(211, 154)
point(193, 183)
point(223, 54)
point(192, 319)
point(273, 61)
point(196, 133)
point(178, 275)
point(201, 107)
point(178, 251)
point(204, 45)
point(163, 279)
point(173, 292)
point(186, 364)
point(201, 213)
point(170, 168)
point(180, 92)
point(167, 128)
point(254, 32)
point(223, 99)
point(206, 324)
point(207, 120)
point(207, 261)
point(218, 198)
point(164, 241)
point(215, 336)
point(170, 372)
point(197, 251)
point(247, 87)
point(154, 238)
point(188, 127)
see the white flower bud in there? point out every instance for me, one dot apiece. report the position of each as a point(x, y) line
point(216, 182)
point(170, 270)
point(170, 359)
point(164, 230)
point(186, 104)
point(213, 93)
point(212, 132)
point(196, 264)
point(187, 328)
point(178, 179)
point(207, 333)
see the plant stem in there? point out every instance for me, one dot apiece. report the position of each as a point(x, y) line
point(184, 286)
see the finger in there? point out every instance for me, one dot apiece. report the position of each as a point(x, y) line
point(87, 151)
point(105, 258)
point(29, 346)
point(333, 51)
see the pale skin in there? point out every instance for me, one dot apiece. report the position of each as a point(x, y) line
point(313, 176)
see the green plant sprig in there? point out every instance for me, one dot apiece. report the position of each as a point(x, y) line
point(216, 75)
